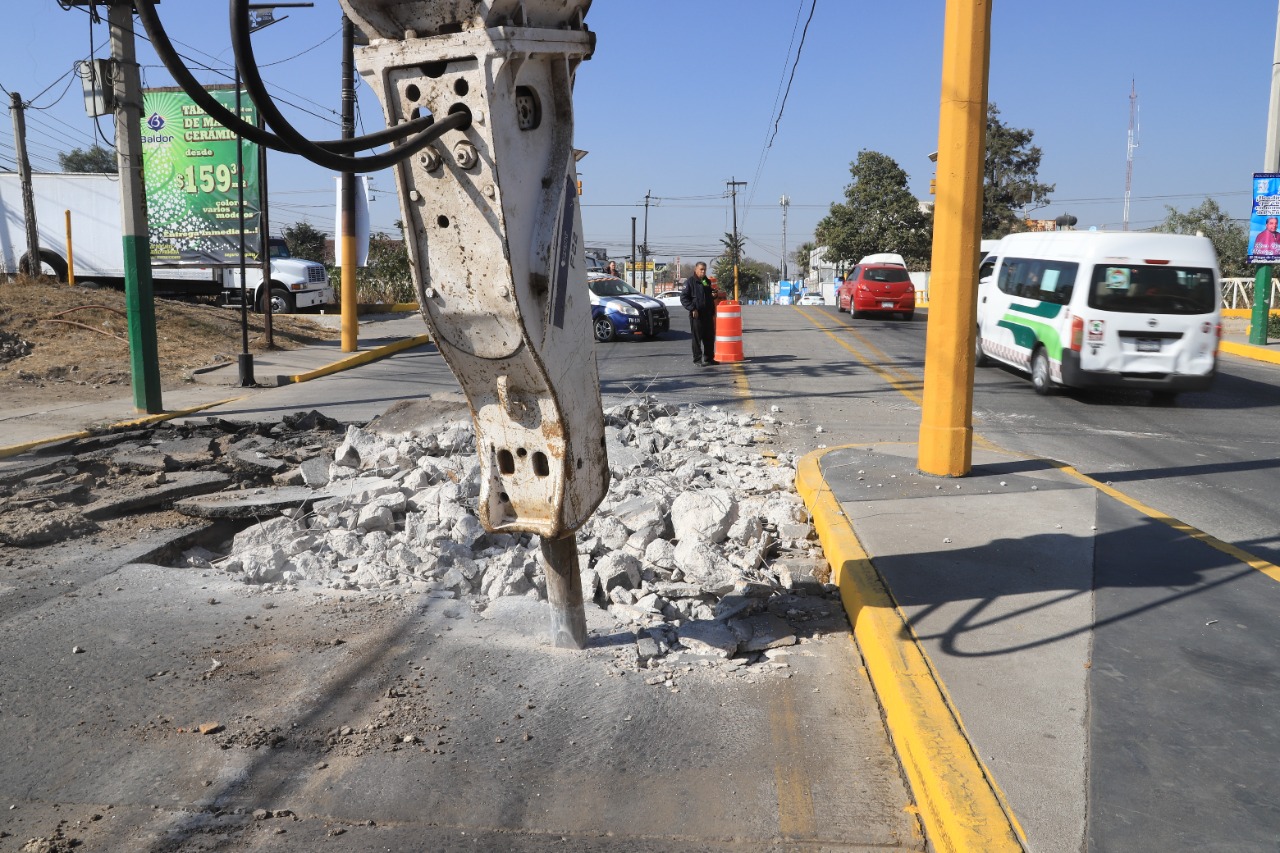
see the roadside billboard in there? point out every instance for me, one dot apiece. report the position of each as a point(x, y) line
point(1264, 233)
point(193, 183)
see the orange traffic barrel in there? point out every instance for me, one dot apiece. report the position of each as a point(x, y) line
point(729, 331)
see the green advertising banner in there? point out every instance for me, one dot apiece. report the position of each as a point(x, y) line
point(192, 182)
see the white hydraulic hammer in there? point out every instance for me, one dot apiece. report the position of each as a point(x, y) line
point(495, 242)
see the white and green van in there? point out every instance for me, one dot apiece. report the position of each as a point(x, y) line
point(1088, 309)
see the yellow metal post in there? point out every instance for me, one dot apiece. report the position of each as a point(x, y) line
point(946, 425)
point(350, 319)
point(71, 258)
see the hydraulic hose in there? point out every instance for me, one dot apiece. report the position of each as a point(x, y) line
point(299, 144)
point(426, 125)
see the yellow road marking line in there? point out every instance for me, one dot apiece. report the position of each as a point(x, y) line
point(795, 796)
point(899, 382)
point(1269, 569)
point(741, 387)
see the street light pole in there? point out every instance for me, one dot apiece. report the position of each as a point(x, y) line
point(785, 201)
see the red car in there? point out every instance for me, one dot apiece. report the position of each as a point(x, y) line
point(877, 289)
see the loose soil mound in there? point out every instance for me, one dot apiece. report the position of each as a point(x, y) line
point(75, 341)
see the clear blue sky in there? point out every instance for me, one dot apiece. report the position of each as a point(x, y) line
point(682, 96)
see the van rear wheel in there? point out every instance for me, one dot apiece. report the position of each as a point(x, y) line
point(980, 357)
point(1040, 379)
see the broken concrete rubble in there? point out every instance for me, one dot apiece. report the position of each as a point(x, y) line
point(682, 551)
point(60, 491)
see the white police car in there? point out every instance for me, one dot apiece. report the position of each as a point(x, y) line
point(619, 309)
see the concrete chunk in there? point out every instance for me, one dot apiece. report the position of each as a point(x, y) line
point(705, 515)
point(618, 569)
point(709, 638)
point(181, 484)
point(763, 631)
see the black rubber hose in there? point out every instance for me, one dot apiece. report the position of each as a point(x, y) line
point(183, 77)
point(245, 61)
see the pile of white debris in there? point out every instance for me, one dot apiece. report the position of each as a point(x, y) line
point(699, 525)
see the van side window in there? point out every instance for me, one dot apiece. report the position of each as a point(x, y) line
point(1043, 281)
point(987, 267)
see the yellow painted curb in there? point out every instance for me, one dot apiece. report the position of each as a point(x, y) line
point(959, 803)
point(1246, 313)
point(358, 359)
point(16, 449)
point(1252, 351)
point(386, 307)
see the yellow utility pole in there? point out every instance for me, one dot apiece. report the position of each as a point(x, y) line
point(946, 425)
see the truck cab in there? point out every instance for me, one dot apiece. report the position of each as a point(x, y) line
point(295, 283)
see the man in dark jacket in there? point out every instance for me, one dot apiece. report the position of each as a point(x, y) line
point(697, 298)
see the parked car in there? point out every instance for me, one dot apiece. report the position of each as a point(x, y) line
point(669, 298)
point(617, 309)
point(877, 289)
point(811, 299)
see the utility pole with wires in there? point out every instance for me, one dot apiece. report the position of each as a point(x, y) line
point(16, 108)
point(733, 191)
point(644, 244)
point(144, 360)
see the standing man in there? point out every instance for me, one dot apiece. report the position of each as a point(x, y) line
point(698, 299)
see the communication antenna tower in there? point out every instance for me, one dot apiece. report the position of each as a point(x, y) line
point(1133, 143)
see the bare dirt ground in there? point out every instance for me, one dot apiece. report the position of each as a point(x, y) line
point(72, 344)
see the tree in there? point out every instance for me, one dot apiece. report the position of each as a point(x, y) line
point(754, 276)
point(305, 242)
point(387, 278)
point(95, 159)
point(802, 257)
point(1230, 239)
point(879, 214)
point(1010, 184)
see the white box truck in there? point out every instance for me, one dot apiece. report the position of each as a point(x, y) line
point(98, 253)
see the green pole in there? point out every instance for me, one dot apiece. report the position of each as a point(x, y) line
point(139, 294)
point(140, 304)
point(1261, 306)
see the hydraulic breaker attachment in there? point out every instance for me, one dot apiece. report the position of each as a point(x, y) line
point(495, 237)
point(495, 241)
